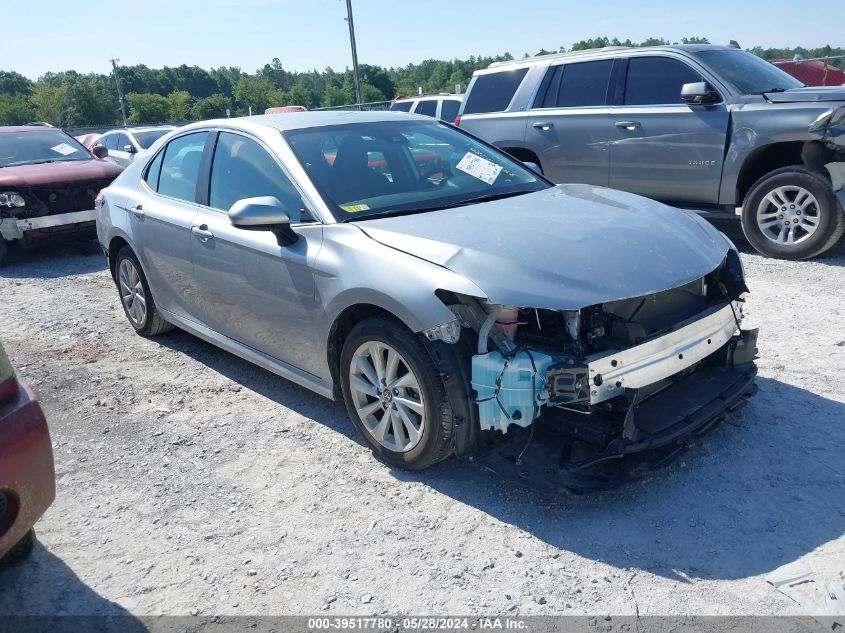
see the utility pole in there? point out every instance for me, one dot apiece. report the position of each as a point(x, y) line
point(354, 53)
point(119, 91)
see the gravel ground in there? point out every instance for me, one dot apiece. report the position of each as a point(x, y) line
point(190, 481)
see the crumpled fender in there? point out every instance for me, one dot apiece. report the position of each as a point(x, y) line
point(829, 128)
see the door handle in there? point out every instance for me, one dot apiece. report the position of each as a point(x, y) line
point(202, 232)
point(628, 125)
point(545, 126)
point(137, 211)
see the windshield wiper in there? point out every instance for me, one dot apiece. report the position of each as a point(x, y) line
point(490, 197)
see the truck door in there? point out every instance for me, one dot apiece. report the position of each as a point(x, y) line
point(664, 148)
point(569, 127)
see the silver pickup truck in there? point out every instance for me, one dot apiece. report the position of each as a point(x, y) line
point(707, 128)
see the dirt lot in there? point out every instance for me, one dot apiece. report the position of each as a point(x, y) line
point(192, 482)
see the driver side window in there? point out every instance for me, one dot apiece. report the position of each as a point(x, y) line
point(242, 168)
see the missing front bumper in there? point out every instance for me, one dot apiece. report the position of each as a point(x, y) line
point(663, 426)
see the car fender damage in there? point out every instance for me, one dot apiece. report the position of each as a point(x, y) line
point(829, 129)
point(574, 399)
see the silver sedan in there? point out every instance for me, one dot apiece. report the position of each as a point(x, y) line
point(455, 299)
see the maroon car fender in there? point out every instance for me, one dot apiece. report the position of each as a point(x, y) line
point(27, 475)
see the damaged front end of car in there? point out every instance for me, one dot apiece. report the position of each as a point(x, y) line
point(585, 399)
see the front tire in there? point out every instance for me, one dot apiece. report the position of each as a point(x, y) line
point(135, 295)
point(792, 213)
point(395, 395)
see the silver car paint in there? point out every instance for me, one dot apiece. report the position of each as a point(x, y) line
point(561, 248)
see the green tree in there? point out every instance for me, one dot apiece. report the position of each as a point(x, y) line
point(147, 108)
point(336, 96)
point(15, 109)
point(254, 92)
point(694, 40)
point(299, 95)
point(48, 100)
point(213, 107)
point(12, 83)
point(179, 105)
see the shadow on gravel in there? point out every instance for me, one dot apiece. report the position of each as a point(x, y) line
point(53, 259)
point(763, 489)
point(279, 390)
point(45, 590)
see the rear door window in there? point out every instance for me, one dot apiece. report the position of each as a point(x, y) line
point(449, 110)
point(493, 92)
point(428, 107)
point(180, 166)
point(584, 84)
point(657, 80)
point(402, 106)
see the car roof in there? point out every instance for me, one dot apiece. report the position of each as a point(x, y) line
point(609, 50)
point(311, 119)
point(26, 128)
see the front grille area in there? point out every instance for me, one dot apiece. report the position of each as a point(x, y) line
point(69, 198)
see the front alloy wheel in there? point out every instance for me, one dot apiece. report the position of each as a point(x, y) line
point(788, 215)
point(395, 395)
point(387, 396)
point(792, 213)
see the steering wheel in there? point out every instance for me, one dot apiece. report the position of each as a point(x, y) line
point(438, 169)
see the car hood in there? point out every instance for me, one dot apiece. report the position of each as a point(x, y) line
point(562, 248)
point(809, 93)
point(60, 173)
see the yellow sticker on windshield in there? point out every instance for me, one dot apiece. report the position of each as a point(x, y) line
point(355, 208)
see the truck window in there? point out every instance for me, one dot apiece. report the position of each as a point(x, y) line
point(493, 92)
point(584, 84)
point(428, 107)
point(657, 80)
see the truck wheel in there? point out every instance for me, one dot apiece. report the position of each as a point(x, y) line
point(135, 295)
point(4, 252)
point(394, 394)
point(792, 213)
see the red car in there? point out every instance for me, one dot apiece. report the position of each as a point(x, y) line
point(27, 477)
point(48, 182)
point(812, 72)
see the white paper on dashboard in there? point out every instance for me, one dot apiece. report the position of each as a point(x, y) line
point(478, 167)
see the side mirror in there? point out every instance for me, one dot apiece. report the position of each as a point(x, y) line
point(699, 93)
point(100, 151)
point(533, 167)
point(264, 213)
point(130, 148)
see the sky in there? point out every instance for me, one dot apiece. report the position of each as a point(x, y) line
point(55, 35)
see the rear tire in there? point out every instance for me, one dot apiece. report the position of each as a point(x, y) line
point(135, 296)
point(423, 438)
point(792, 203)
point(19, 549)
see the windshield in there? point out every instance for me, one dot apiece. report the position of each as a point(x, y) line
point(750, 74)
point(396, 167)
point(148, 137)
point(42, 145)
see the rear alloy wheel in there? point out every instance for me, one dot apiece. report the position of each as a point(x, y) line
point(135, 295)
point(395, 395)
point(792, 213)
